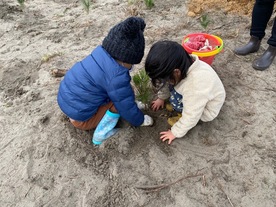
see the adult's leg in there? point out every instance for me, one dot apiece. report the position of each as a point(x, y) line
point(268, 56)
point(266, 59)
point(261, 14)
point(272, 40)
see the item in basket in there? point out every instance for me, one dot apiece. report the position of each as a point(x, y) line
point(200, 38)
point(195, 45)
point(199, 43)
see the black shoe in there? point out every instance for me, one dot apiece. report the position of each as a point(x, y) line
point(252, 46)
point(266, 59)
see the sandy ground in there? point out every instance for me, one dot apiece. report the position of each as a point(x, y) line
point(228, 162)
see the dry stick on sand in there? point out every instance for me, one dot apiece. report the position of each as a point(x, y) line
point(58, 72)
point(258, 89)
point(155, 188)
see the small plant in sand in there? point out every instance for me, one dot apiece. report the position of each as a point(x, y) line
point(204, 21)
point(47, 57)
point(86, 5)
point(21, 3)
point(142, 87)
point(149, 3)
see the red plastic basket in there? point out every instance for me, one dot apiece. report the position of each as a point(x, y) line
point(206, 56)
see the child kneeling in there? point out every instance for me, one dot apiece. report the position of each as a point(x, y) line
point(194, 88)
point(96, 91)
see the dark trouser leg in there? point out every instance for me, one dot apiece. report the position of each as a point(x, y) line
point(272, 39)
point(261, 14)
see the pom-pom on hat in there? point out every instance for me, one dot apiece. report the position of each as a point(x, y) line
point(125, 41)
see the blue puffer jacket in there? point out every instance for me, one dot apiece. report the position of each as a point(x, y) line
point(95, 81)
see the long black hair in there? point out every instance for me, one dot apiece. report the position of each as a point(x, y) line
point(165, 56)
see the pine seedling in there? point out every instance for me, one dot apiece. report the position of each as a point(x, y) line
point(204, 21)
point(86, 5)
point(142, 86)
point(149, 3)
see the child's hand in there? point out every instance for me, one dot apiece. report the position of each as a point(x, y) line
point(157, 104)
point(167, 136)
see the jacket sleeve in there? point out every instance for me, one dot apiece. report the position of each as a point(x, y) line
point(122, 95)
point(164, 92)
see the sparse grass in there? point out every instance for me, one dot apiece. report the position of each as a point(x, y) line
point(149, 3)
point(142, 86)
point(86, 5)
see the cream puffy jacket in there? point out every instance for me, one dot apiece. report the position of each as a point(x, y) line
point(203, 96)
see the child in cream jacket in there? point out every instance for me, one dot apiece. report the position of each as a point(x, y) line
point(195, 90)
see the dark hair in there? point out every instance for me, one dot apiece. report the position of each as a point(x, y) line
point(165, 56)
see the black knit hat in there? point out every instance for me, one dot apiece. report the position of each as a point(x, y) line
point(125, 41)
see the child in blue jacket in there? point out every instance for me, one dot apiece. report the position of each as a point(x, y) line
point(96, 91)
